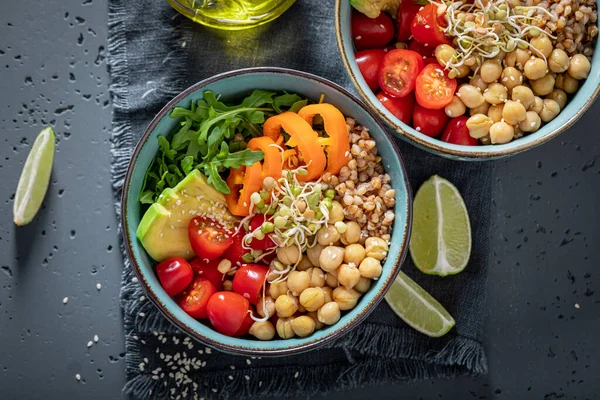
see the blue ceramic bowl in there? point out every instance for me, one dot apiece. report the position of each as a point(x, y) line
point(582, 100)
point(233, 86)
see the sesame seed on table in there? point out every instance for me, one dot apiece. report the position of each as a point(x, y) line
point(60, 276)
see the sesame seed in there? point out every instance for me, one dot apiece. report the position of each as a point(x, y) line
point(78, 377)
point(96, 338)
point(427, 26)
point(248, 361)
point(134, 279)
point(232, 367)
point(142, 314)
point(246, 377)
point(418, 128)
point(65, 300)
point(358, 37)
point(381, 26)
point(142, 298)
point(90, 344)
point(230, 377)
point(98, 286)
point(576, 305)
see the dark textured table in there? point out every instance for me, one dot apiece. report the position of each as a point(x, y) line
point(543, 311)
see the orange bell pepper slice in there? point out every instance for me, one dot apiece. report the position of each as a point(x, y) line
point(272, 163)
point(337, 145)
point(306, 138)
point(242, 182)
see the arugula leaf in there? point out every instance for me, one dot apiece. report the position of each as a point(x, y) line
point(215, 117)
point(163, 144)
point(212, 172)
point(214, 141)
point(298, 105)
point(147, 197)
point(285, 100)
point(183, 135)
point(210, 99)
point(187, 164)
point(224, 160)
point(258, 98)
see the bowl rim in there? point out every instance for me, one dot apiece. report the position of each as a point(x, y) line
point(293, 349)
point(399, 127)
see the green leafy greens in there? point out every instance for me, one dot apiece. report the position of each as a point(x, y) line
point(212, 137)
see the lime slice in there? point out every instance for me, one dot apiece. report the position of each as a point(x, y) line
point(417, 308)
point(34, 179)
point(440, 242)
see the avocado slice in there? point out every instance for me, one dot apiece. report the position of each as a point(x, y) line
point(163, 231)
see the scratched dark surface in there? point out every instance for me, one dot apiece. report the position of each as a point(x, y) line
point(543, 305)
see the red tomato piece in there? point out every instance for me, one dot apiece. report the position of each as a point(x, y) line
point(457, 132)
point(430, 60)
point(207, 269)
point(194, 300)
point(235, 252)
point(371, 33)
point(401, 108)
point(265, 243)
point(423, 49)
point(227, 312)
point(208, 238)
point(369, 62)
point(246, 325)
point(249, 280)
point(427, 27)
point(174, 274)
point(434, 90)
point(429, 122)
point(398, 72)
point(406, 13)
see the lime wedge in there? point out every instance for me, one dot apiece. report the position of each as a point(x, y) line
point(440, 242)
point(34, 179)
point(417, 308)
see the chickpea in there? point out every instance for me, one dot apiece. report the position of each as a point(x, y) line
point(559, 96)
point(370, 268)
point(485, 140)
point(490, 71)
point(513, 112)
point(331, 280)
point(348, 275)
point(517, 58)
point(569, 84)
point(284, 328)
point(286, 305)
point(482, 109)
point(289, 255)
point(558, 61)
point(265, 306)
point(345, 298)
point(479, 125)
point(354, 254)
point(328, 294)
point(263, 330)
point(470, 95)
point(541, 44)
point(496, 93)
point(455, 108)
point(278, 289)
point(543, 86)
point(313, 315)
point(523, 95)
point(579, 66)
point(478, 83)
point(518, 132)
point(336, 213)
point(363, 285)
point(301, 309)
point(531, 123)
point(537, 105)
point(444, 53)
point(317, 277)
point(297, 281)
point(495, 112)
point(462, 71)
point(329, 314)
point(376, 248)
point(328, 235)
point(535, 68)
point(352, 234)
point(228, 285)
point(501, 132)
point(511, 77)
point(304, 264)
point(303, 326)
point(314, 254)
point(331, 257)
point(312, 298)
point(550, 110)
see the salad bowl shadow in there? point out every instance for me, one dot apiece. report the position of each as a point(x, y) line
point(235, 85)
point(575, 108)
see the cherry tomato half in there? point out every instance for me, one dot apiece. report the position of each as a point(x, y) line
point(398, 72)
point(401, 108)
point(371, 33)
point(246, 325)
point(207, 269)
point(406, 13)
point(369, 62)
point(227, 312)
point(235, 252)
point(194, 299)
point(249, 280)
point(265, 243)
point(208, 238)
point(429, 122)
point(457, 132)
point(423, 49)
point(434, 90)
point(174, 275)
point(427, 27)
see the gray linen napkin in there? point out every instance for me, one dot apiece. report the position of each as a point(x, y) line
point(154, 53)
